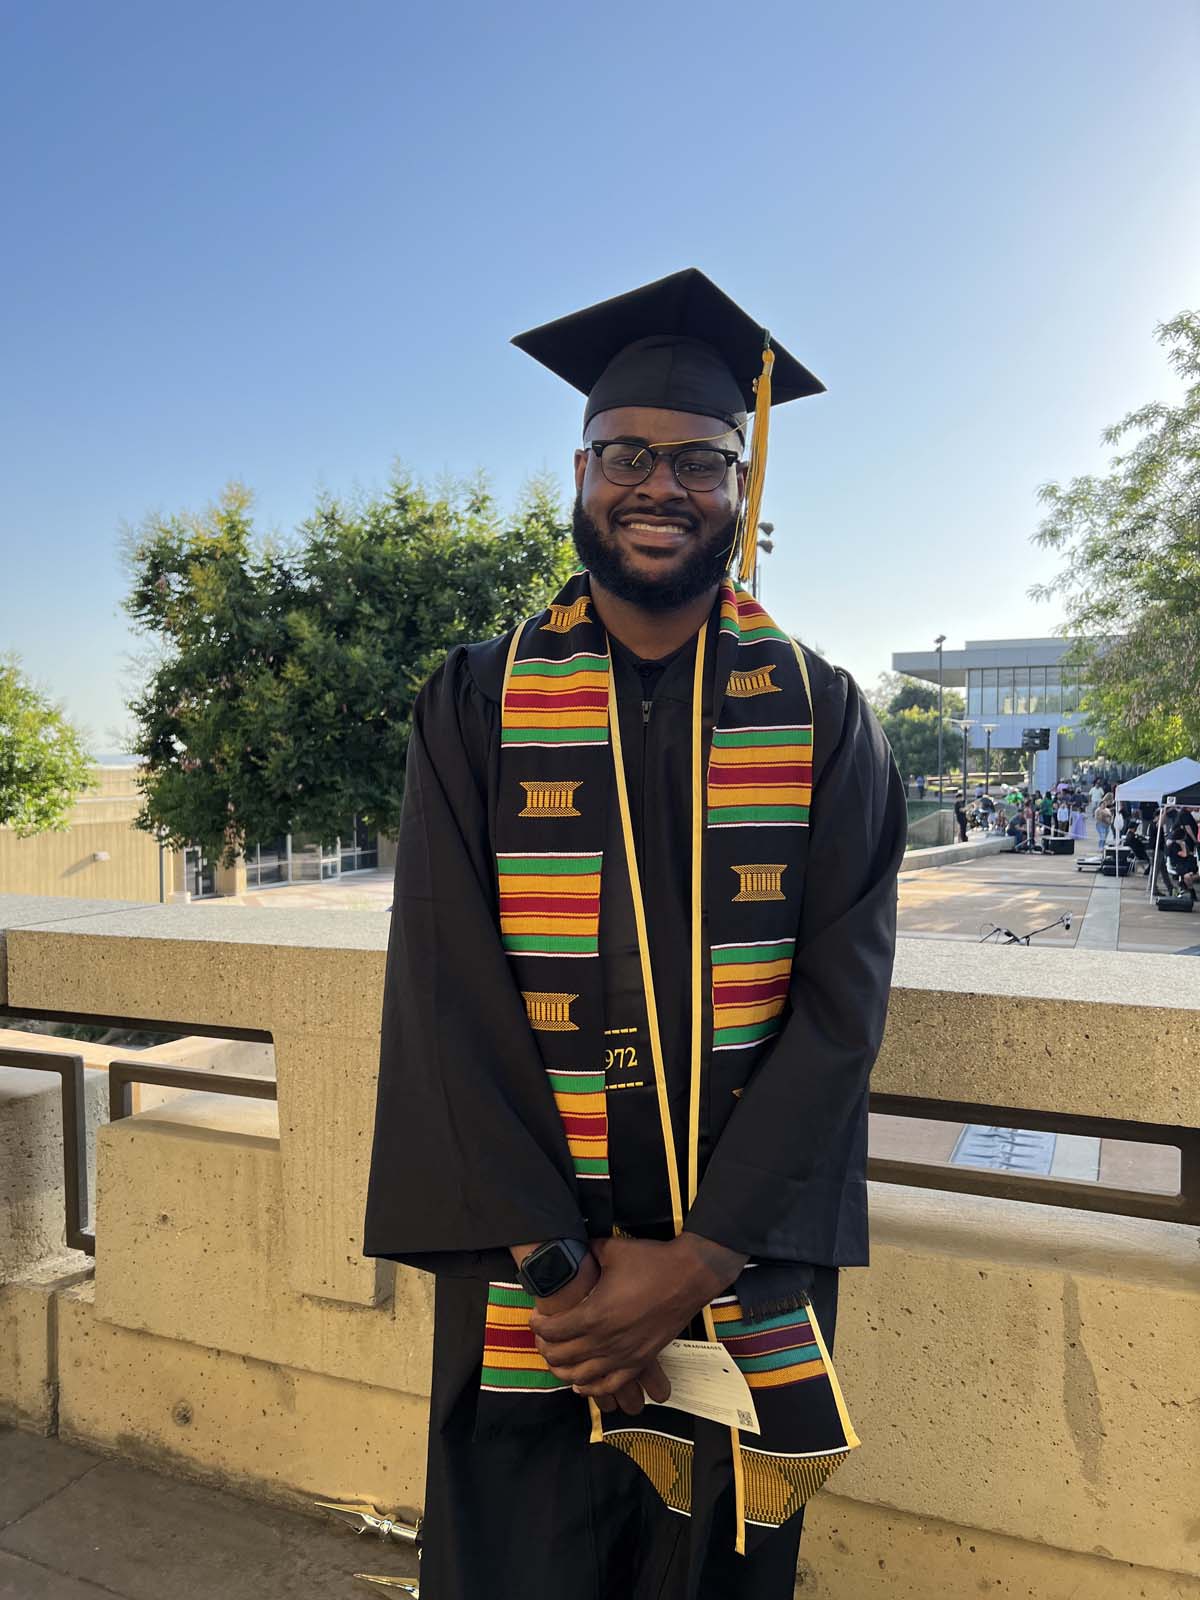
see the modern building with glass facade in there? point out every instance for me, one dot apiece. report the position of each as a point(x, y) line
point(1011, 685)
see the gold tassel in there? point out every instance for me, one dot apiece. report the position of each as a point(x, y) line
point(747, 545)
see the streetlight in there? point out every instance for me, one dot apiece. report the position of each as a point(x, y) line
point(966, 728)
point(766, 544)
point(938, 643)
point(989, 728)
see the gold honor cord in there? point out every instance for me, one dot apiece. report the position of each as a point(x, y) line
point(699, 820)
point(639, 914)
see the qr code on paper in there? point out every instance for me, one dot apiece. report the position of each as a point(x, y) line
point(745, 1420)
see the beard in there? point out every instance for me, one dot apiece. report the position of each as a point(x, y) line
point(702, 571)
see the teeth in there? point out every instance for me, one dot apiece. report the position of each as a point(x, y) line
point(655, 527)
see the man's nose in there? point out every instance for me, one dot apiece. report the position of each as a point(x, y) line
point(662, 483)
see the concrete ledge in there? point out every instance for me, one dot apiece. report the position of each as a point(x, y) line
point(29, 1342)
point(250, 1426)
point(950, 855)
point(857, 1552)
point(1025, 1370)
point(189, 1239)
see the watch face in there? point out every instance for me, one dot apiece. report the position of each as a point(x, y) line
point(549, 1269)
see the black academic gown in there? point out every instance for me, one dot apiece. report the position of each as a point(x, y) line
point(469, 1154)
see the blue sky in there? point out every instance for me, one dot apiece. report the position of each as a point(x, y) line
point(288, 244)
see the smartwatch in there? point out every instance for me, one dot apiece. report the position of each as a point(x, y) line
point(551, 1267)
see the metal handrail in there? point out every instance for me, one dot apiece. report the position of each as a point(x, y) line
point(69, 1069)
point(1077, 1194)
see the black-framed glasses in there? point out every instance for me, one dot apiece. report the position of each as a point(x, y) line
point(698, 467)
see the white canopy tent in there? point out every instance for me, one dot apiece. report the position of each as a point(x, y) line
point(1157, 785)
point(1160, 782)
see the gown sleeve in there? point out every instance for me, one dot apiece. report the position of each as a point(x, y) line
point(469, 1154)
point(787, 1176)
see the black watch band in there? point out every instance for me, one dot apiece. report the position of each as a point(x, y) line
point(551, 1267)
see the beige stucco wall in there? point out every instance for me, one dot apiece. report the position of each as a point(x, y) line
point(1023, 1378)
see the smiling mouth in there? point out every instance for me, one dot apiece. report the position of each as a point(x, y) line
point(654, 533)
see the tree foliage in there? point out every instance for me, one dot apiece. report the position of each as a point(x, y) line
point(44, 765)
point(907, 712)
point(281, 690)
point(1130, 539)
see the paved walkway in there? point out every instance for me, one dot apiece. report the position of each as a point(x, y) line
point(1025, 892)
point(75, 1526)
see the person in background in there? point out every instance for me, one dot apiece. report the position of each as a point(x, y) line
point(1079, 819)
point(1181, 858)
point(960, 816)
point(1095, 796)
point(1047, 810)
point(1104, 817)
point(1063, 817)
point(1031, 812)
point(920, 786)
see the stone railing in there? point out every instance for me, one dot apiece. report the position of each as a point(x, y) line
point(1023, 1376)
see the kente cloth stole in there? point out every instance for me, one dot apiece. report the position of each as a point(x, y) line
point(561, 774)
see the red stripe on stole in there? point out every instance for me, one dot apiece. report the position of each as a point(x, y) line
point(744, 994)
point(586, 1125)
point(762, 1344)
point(567, 905)
point(742, 777)
point(509, 1338)
point(555, 700)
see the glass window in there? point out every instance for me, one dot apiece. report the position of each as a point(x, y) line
point(1037, 690)
point(199, 878)
point(1021, 691)
point(1070, 690)
point(359, 846)
point(974, 693)
point(1053, 691)
point(1004, 692)
point(988, 694)
point(270, 862)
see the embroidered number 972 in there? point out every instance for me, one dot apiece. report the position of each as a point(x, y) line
point(622, 1058)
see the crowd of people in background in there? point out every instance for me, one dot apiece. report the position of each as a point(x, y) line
point(1029, 818)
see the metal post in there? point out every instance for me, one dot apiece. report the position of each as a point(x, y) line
point(938, 643)
point(989, 729)
point(766, 544)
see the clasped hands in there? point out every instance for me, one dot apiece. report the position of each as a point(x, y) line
point(605, 1340)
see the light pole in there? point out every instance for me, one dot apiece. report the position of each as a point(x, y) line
point(766, 544)
point(989, 728)
point(938, 643)
point(966, 726)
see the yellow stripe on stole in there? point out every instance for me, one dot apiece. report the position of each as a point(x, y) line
point(763, 794)
point(572, 718)
point(508, 1316)
point(741, 1016)
point(549, 683)
point(746, 972)
point(781, 1375)
point(578, 888)
point(764, 755)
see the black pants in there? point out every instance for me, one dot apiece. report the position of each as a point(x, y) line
point(538, 1513)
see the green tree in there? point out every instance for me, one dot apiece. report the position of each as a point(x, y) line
point(44, 765)
point(907, 712)
point(281, 689)
point(1131, 574)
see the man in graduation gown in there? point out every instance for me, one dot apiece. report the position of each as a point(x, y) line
point(641, 948)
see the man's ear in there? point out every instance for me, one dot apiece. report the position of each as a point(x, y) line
point(581, 461)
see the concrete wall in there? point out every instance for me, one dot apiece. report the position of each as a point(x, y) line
point(1023, 1378)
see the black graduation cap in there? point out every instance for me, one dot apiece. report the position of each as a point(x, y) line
point(680, 344)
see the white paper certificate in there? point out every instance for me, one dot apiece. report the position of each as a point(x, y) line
point(705, 1381)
